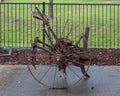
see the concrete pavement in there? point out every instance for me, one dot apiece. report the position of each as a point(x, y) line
point(16, 81)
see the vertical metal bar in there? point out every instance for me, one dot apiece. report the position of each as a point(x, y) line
point(85, 44)
point(35, 32)
point(31, 23)
point(68, 18)
point(91, 28)
point(56, 20)
point(102, 26)
point(43, 24)
point(118, 41)
point(64, 21)
point(110, 27)
point(60, 20)
point(79, 21)
point(83, 18)
point(4, 25)
point(27, 26)
point(19, 25)
point(106, 27)
point(8, 24)
point(87, 15)
point(39, 27)
point(95, 24)
point(52, 16)
point(114, 27)
point(23, 23)
point(87, 22)
point(12, 22)
point(72, 20)
point(98, 25)
point(15, 25)
point(75, 23)
point(0, 27)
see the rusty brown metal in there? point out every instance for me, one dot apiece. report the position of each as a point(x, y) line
point(63, 52)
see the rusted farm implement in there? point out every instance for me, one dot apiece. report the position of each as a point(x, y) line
point(61, 59)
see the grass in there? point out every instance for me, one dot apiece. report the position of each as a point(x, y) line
point(18, 27)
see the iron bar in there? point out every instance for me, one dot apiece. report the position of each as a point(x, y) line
point(8, 54)
point(0, 26)
point(43, 24)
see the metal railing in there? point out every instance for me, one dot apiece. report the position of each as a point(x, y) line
point(18, 27)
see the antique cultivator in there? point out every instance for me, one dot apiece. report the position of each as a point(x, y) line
point(61, 60)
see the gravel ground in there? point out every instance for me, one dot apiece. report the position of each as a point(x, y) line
point(105, 57)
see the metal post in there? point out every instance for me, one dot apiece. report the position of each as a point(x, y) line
point(51, 8)
point(43, 24)
point(85, 42)
point(0, 28)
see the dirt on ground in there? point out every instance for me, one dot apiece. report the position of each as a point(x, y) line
point(23, 57)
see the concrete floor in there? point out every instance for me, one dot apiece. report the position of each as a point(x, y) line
point(16, 81)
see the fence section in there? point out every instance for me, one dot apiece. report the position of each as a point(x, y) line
point(18, 27)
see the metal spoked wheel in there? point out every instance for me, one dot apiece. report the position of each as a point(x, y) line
point(61, 65)
point(47, 73)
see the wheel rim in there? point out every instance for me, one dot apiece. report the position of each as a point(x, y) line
point(50, 76)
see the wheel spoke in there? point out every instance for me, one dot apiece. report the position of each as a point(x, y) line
point(79, 78)
point(54, 76)
point(45, 73)
point(35, 77)
point(74, 72)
